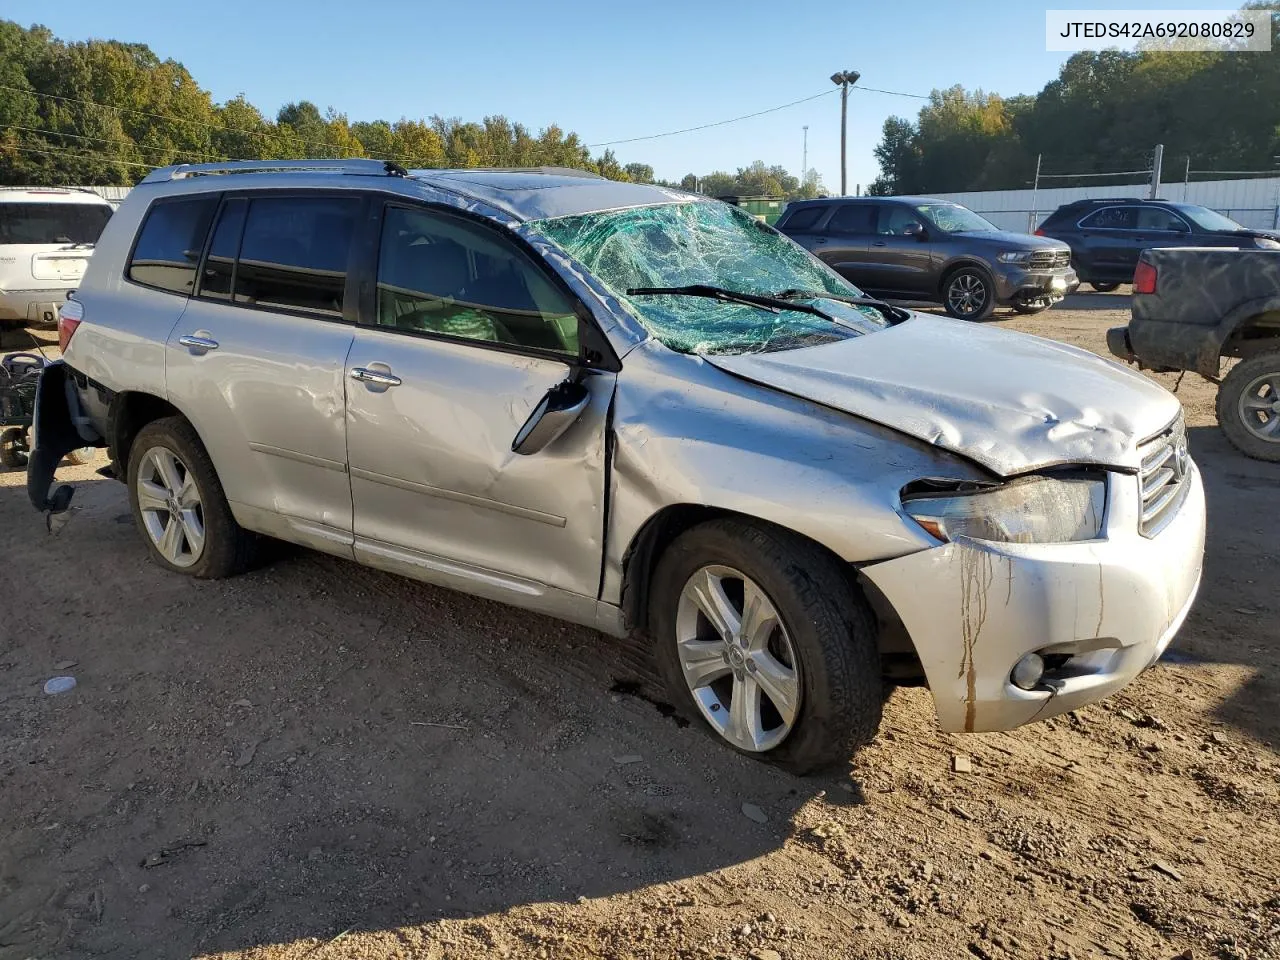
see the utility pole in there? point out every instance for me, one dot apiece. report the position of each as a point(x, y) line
point(804, 166)
point(1186, 179)
point(844, 79)
point(1156, 163)
point(1035, 188)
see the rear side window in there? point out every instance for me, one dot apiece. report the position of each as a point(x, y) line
point(855, 218)
point(52, 222)
point(805, 218)
point(295, 251)
point(1111, 218)
point(170, 242)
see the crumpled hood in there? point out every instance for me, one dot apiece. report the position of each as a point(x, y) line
point(1008, 401)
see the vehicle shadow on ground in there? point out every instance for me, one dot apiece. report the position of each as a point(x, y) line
point(1235, 617)
point(316, 747)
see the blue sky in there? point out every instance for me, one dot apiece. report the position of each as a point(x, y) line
point(607, 71)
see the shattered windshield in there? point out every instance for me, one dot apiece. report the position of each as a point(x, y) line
point(712, 243)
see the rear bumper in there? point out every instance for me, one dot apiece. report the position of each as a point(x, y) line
point(974, 609)
point(38, 307)
point(59, 427)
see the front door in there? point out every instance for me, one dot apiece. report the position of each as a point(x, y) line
point(467, 334)
point(258, 359)
point(901, 261)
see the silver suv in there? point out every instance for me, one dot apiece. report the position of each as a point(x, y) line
point(636, 409)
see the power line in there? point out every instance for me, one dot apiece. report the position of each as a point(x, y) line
point(707, 126)
point(69, 153)
point(119, 143)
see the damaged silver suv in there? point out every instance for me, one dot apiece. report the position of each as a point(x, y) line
point(636, 409)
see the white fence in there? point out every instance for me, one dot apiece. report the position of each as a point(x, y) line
point(1254, 203)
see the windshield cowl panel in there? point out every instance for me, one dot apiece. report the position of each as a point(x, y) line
point(710, 243)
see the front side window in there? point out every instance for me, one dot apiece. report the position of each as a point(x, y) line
point(294, 253)
point(1111, 218)
point(169, 244)
point(445, 275)
point(1157, 218)
point(954, 218)
point(709, 243)
point(52, 222)
point(895, 220)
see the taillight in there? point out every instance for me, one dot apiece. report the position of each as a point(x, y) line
point(70, 314)
point(1039, 232)
point(1144, 278)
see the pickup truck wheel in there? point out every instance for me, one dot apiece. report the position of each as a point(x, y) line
point(12, 456)
point(1105, 287)
point(969, 294)
point(761, 635)
point(1249, 407)
point(179, 506)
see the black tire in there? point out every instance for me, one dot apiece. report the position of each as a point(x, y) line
point(11, 454)
point(832, 632)
point(82, 455)
point(1029, 308)
point(974, 279)
point(228, 548)
point(1104, 287)
point(1251, 378)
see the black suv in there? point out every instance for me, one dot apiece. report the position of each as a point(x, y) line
point(1106, 236)
point(918, 248)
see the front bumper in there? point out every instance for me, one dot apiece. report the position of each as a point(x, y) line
point(1017, 284)
point(973, 609)
point(38, 308)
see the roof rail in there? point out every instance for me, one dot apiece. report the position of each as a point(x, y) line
point(549, 171)
point(355, 165)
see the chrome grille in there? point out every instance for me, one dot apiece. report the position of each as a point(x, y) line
point(1045, 259)
point(1162, 478)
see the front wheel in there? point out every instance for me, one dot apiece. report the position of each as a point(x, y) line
point(761, 634)
point(1105, 287)
point(969, 294)
point(1249, 407)
point(1030, 308)
point(179, 506)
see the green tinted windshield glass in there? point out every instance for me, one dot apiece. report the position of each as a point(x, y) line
point(708, 242)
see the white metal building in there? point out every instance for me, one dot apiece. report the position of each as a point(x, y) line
point(1254, 203)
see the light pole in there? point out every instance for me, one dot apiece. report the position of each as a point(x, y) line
point(844, 80)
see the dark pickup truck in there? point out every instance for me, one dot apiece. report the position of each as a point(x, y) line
point(1192, 306)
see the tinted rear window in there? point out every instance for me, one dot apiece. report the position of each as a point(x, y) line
point(854, 218)
point(52, 222)
point(294, 253)
point(169, 246)
point(805, 218)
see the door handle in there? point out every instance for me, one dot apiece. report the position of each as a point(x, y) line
point(820, 240)
point(200, 344)
point(376, 377)
point(879, 243)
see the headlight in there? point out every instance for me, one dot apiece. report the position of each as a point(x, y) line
point(1029, 510)
point(1266, 243)
point(1014, 256)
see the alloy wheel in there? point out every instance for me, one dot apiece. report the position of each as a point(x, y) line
point(967, 293)
point(1260, 407)
point(172, 511)
point(737, 658)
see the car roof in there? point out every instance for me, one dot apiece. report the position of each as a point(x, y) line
point(50, 195)
point(529, 193)
point(868, 199)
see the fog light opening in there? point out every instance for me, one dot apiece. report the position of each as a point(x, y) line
point(1028, 671)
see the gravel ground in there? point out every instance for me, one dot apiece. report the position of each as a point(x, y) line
point(318, 760)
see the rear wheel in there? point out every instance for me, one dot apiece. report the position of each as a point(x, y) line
point(969, 294)
point(761, 634)
point(12, 448)
point(1105, 287)
point(1249, 406)
point(179, 506)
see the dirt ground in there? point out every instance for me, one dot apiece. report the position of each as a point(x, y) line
point(318, 760)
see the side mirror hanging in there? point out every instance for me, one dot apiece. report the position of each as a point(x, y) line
point(555, 413)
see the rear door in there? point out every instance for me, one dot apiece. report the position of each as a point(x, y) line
point(1109, 238)
point(846, 238)
point(467, 332)
point(257, 360)
point(899, 261)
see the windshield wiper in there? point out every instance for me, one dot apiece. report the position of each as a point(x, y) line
point(895, 314)
point(732, 296)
